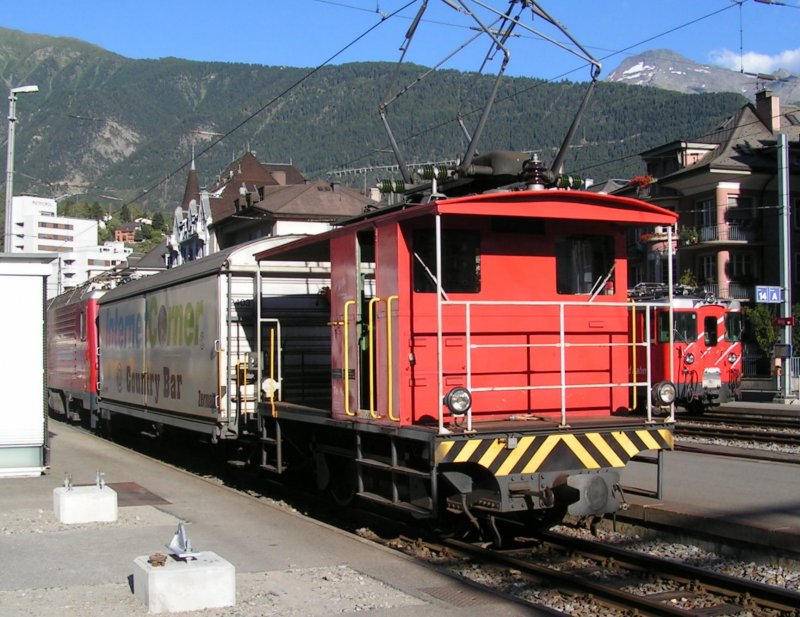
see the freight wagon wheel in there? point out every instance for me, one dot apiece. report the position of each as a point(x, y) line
point(104, 428)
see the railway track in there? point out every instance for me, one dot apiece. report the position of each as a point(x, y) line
point(740, 433)
point(622, 581)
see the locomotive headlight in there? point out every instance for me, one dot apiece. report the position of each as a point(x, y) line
point(689, 359)
point(458, 401)
point(732, 357)
point(664, 393)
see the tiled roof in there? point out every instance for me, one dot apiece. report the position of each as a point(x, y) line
point(313, 201)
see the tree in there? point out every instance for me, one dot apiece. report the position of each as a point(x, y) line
point(760, 317)
point(96, 211)
point(158, 221)
point(145, 232)
point(125, 214)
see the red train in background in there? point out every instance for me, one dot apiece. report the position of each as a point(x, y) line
point(700, 344)
point(72, 345)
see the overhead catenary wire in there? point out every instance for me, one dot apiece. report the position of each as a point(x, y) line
point(383, 18)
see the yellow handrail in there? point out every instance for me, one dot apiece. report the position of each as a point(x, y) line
point(219, 350)
point(634, 368)
point(371, 333)
point(346, 375)
point(272, 371)
point(389, 366)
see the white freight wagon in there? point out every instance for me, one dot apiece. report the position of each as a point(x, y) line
point(182, 348)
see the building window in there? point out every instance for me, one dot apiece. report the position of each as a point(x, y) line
point(740, 209)
point(741, 266)
point(706, 213)
point(797, 268)
point(796, 213)
point(708, 264)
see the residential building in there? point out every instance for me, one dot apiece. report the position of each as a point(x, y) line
point(76, 267)
point(126, 232)
point(250, 200)
point(724, 186)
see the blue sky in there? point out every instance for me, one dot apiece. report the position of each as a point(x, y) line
point(309, 32)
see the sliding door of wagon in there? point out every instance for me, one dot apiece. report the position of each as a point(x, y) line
point(182, 353)
point(123, 335)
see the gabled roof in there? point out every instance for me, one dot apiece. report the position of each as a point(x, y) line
point(316, 201)
point(152, 260)
point(738, 144)
point(290, 172)
point(246, 173)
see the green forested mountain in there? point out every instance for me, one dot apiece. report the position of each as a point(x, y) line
point(105, 124)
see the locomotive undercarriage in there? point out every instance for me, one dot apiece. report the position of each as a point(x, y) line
point(397, 469)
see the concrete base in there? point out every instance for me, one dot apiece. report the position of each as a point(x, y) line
point(205, 582)
point(85, 504)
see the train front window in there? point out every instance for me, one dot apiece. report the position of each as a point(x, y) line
point(711, 335)
point(685, 327)
point(584, 264)
point(461, 261)
point(733, 327)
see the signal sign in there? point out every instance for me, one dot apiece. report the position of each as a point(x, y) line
point(769, 295)
point(783, 321)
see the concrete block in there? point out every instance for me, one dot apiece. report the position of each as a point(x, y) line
point(85, 504)
point(205, 582)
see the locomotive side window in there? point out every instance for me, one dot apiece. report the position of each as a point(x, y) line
point(685, 327)
point(583, 263)
point(461, 261)
point(733, 327)
point(710, 327)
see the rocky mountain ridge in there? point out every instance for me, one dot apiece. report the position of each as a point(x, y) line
point(666, 69)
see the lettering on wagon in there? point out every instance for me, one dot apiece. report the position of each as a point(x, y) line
point(149, 384)
point(162, 325)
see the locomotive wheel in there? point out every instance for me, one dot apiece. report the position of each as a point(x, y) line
point(343, 484)
point(696, 407)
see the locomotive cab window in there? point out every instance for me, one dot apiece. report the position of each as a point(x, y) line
point(733, 327)
point(685, 327)
point(461, 261)
point(584, 264)
point(710, 331)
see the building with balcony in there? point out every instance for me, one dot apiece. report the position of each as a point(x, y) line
point(724, 186)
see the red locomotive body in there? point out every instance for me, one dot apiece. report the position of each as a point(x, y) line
point(480, 356)
point(72, 362)
point(700, 349)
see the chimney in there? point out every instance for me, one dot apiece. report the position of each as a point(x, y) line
point(768, 109)
point(280, 177)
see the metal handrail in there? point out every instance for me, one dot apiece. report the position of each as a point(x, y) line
point(371, 343)
point(389, 364)
point(562, 344)
point(346, 375)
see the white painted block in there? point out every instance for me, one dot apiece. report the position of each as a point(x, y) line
point(205, 582)
point(85, 504)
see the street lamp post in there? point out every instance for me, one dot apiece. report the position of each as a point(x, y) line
point(12, 118)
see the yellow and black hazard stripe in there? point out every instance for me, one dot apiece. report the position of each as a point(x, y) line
point(554, 452)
